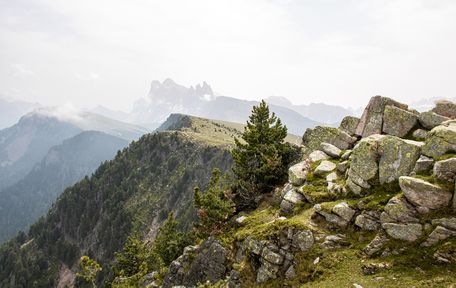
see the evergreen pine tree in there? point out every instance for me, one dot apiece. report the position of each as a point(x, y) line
point(261, 155)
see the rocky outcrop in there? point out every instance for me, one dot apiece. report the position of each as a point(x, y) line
point(423, 164)
point(441, 140)
point(409, 232)
point(424, 194)
point(371, 121)
point(398, 122)
point(297, 173)
point(198, 264)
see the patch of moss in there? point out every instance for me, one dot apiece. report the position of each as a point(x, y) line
point(446, 156)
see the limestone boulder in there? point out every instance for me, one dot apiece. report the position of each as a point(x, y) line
point(344, 211)
point(318, 155)
point(423, 164)
point(349, 124)
point(325, 167)
point(441, 140)
point(398, 122)
point(398, 209)
point(445, 170)
point(371, 121)
point(424, 194)
point(430, 119)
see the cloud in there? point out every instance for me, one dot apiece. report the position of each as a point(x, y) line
point(339, 52)
point(20, 70)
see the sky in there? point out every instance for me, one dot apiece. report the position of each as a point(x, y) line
point(92, 52)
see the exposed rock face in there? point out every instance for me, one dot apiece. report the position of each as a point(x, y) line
point(198, 265)
point(344, 211)
point(441, 140)
point(368, 220)
point(376, 244)
point(313, 138)
point(399, 210)
point(440, 233)
point(380, 158)
point(331, 150)
point(349, 124)
point(420, 134)
point(445, 170)
point(298, 172)
point(430, 119)
point(398, 122)
point(371, 121)
point(445, 108)
point(303, 240)
point(424, 194)
point(406, 232)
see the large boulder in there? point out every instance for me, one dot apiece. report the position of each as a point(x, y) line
point(406, 232)
point(206, 263)
point(398, 209)
point(397, 158)
point(318, 155)
point(371, 121)
point(344, 211)
point(441, 140)
point(325, 167)
point(445, 170)
point(398, 122)
point(313, 138)
point(381, 159)
point(349, 124)
point(445, 108)
point(430, 119)
point(424, 194)
point(297, 173)
point(331, 150)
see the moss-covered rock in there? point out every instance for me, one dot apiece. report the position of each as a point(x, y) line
point(441, 140)
point(398, 122)
point(349, 124)
point(430, 119)
point(424, 194)
point(313, 138)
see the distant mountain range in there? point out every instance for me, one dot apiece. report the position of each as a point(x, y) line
point(11, 111)
point(27, 142)
point(63, 165)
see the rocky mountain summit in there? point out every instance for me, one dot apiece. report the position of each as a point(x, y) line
point(371, 204)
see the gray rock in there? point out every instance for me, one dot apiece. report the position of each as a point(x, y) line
point(449, 223)
point(333, 219)
point(254, 246)
point(346, 155)
point(406, 232)
point(207, 264)
point(334, 241)
point(420, 134)
point(422, 193)
point(445, 108)
point(397, 158)
point(441, 140)
point(240, 220)
point(290, 273)
point(399, 210)
point(430, 119)
point(398, 122)
point(445, 170)
point(330, 150)
point(331, 177)
point(297, 173)
point(303, 240)
point(324, 167)
point(293, 196)
point(376, 244)
point(444, 256)
point(318, 155)
point(271, 256)
point(344, 211)
point(342, 166)
point(313, 138)
point(368, 220)
point(371, 121)
point(423, 164)
point(440, 233)
point(267, 272)
point(287, 207)
point(349, 124)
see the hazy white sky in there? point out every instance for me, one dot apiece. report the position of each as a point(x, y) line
point(91, 52)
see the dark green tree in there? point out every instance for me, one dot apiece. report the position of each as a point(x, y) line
point(170, 242)
point(261, 155)
point(89, 270)
point(214, 205)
